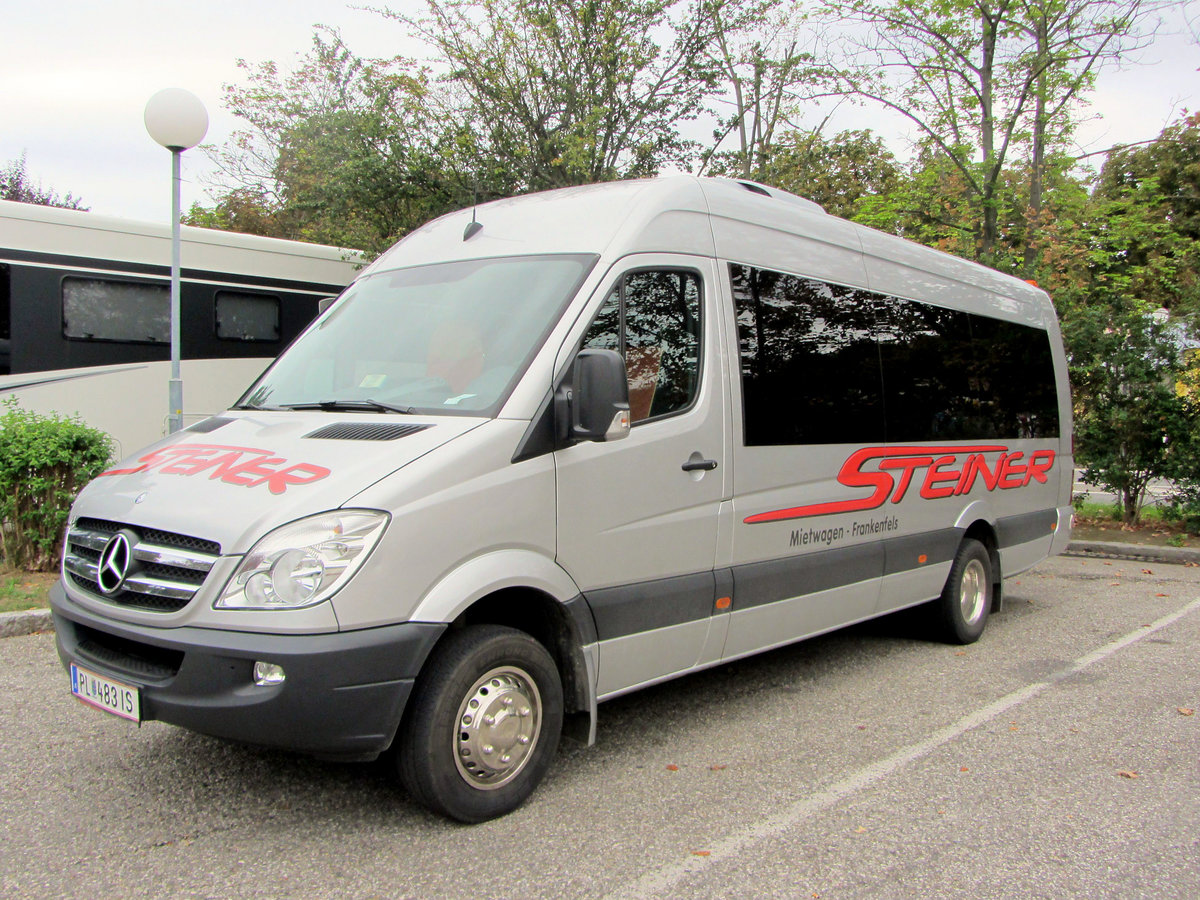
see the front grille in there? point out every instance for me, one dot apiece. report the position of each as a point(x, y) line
point(166, 571)
point(142, 661)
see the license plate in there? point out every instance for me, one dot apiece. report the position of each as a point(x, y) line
point(106, 694)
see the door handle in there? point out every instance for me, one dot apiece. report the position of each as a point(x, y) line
point(699, 465)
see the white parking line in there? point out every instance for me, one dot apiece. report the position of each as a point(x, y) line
point(661, 881)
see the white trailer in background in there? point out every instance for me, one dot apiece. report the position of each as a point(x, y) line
point(84, 314)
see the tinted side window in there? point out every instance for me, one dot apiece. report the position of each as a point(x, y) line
point(931, 383)
point(653, 319)
point(809, 361)
point(97, 310)
point(1021, 389)
point(951, 375)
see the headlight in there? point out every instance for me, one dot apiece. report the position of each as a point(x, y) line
point(304, 562)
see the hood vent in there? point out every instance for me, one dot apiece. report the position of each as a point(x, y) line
point(365, 431)
point(210, 424)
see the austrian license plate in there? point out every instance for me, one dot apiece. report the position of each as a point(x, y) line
point(104, 693)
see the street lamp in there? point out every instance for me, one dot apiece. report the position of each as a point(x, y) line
point(176, 119)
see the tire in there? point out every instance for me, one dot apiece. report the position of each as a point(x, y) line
point(483, 724)
point(962, 610)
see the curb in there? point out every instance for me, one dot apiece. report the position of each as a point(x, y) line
point(1179, 556)
point(30, 621)
point(33, 621)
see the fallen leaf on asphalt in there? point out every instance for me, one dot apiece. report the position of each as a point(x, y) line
point(1186, 711)
point(1128, 774)
point(716, 768)
point(1162, 595)
point(860, 830)
point(701, 853)
point(861, 727)
point(960, 652)
point(1114, 584)
point(672, 768)
point(1147, 572)
point(964, 769)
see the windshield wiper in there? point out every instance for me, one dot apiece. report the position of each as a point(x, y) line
point(366, 405)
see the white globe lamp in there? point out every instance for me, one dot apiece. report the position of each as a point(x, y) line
point(178, 120)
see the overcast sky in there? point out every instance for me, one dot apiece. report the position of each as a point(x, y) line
point(75, 77)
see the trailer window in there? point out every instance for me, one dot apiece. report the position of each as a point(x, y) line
point(100, 310)
point(5, 323)
point(247, 317)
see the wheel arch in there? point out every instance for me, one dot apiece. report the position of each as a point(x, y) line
point(530, 592)
point(985, 532)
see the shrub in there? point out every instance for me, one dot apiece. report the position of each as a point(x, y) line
point(44, 462)
point(1186, 505)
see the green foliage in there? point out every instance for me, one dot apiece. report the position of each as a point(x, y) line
point(1149, 210)
point(44, 462)
point(344, 151)
point(17, 185)
point(1132, 421)
point(553, 93)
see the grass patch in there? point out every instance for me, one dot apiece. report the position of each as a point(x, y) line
point(25, 590)
point(1102, 522)
point(1090, 511)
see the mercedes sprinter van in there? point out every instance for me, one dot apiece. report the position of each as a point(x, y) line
point(560, 447)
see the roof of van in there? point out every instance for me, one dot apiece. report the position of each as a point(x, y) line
point(714, 217)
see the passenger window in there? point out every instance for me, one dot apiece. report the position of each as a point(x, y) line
point(653, 320)
point(826, 364)
point(809, 361)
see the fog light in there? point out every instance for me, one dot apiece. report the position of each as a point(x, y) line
point(266, 674)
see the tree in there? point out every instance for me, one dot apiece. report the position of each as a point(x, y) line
point(16, 184)
point(563, 92)
point(1132, 424)
point(1149, 204)
point(765, 78)
point(342, 150)
point(980, 79)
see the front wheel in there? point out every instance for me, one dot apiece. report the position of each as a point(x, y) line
point(962, 610)
point(483, 725)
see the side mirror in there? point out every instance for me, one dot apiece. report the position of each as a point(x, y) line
point(599, 400)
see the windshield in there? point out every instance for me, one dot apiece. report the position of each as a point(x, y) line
point(446, 338)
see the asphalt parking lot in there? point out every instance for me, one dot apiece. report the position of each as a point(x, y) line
point(1055, 758)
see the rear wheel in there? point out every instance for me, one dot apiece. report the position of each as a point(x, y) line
point(483, 724)
point(962, 610)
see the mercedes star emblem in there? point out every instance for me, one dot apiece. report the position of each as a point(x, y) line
point(114, 564)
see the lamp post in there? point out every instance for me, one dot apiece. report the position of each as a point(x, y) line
point(176, 119)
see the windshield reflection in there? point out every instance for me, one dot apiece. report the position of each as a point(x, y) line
point(446, 338)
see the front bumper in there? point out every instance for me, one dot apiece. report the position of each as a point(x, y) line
point(343, 696)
